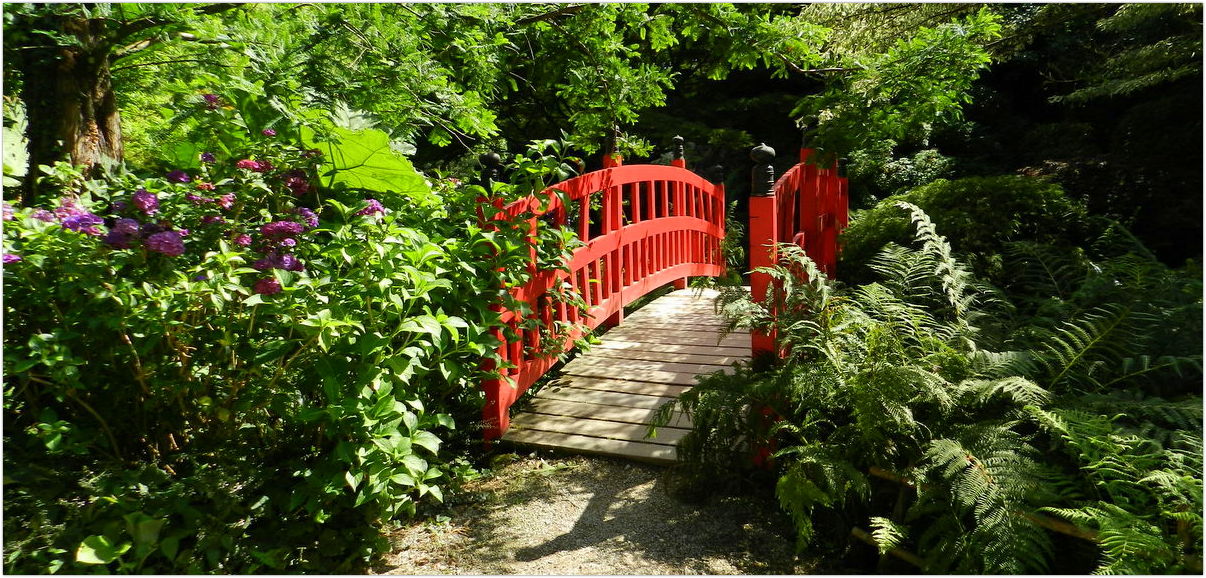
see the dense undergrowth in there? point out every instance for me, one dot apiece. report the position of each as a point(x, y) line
point(1052, 423)
point(251, 363)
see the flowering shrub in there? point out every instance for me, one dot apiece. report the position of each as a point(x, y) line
point(239, 369)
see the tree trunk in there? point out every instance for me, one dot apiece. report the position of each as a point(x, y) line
point(72, 108)
point(91, 122)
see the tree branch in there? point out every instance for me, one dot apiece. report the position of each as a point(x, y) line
point(209, 62)
point(135, 48)
point(573, 9)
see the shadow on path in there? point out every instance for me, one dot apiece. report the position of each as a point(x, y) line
point(612, 517)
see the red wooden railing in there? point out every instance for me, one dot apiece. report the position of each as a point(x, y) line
point(807, 206)
point(654, 225)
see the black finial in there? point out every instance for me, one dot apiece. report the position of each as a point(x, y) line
point(841, 167)
point(762, 176)
point(491, 162)
point(677, 151)
point(716, 174)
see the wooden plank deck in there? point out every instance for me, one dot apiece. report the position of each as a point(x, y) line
point(602, 401)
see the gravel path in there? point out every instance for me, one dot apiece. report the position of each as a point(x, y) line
point(580, 515)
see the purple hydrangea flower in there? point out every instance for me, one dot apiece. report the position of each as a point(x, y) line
point(248, 164)
point(263, 166)
point(281, 229)
point(179, 176)
point(288, 243)
point(274, 261)
point(43, 215)
point(211, 101)
point(291, 263)
point(243, 240)
point(117, 239)
point(226, 201)
point(268, 286)
point(118, 206)
point(196, 200)
point(211, 219)
point(200, 277)
point(208, 157)
point(126, 227)
point(11, 258)
point(146, 202)
point(268, 132)
point(308, 216)
point(167, 242)
point(297, 185)
point(68, 207)
point(8, 212)
point(84, 223)
point(374, 208)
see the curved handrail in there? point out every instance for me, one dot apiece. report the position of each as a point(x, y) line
point(643, 226)
point(812, 208)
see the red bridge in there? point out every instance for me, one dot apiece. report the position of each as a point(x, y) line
point(643, 227)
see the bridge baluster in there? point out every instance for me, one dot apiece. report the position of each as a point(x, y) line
point(763, 227)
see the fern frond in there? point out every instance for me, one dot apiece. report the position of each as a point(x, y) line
point(955, 278)
point(1018, 390)
point(1048, 270)
point(888, 535)
point(1129, 543)
point(1181, 415)
point(993, 364)
point(1144, 366)
point(992, 483)
point(1081, 352)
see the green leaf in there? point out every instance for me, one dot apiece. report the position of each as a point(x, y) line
point(415, 464)
point(437, 492)
point(98, 550)
point(427, 440)
point(363, 159)
point(403, 480)
point(143, 528)
point(170, 546)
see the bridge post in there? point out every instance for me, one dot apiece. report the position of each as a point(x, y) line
point(678, 159)
point(677, 154)
point(499, 394)
point(763, 232)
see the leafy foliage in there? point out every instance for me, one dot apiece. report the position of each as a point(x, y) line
point(231, 381)
point(978, 214)
point(983, 424)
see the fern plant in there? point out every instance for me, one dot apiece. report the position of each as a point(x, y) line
point(930, 408)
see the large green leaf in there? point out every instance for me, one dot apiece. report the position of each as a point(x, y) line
point(99, 550)
point(363, 159)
